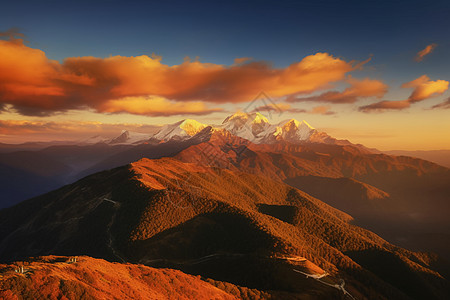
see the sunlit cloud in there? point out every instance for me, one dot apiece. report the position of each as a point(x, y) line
point(321, 110)
point(424, 88)
point(36, 85)
point(428, 49)
point(358, 89)
point(155, 106)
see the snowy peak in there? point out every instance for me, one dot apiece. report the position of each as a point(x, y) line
point(253, 127)
point(192, 127)
point(256, 128)
point(129, 137)
point(248, 126)
point(294, 131)
point(96, 139)
point(241, 118)
point(180, 130)
point(293, 123)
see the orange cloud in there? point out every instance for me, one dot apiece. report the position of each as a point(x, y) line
point(428, 49)
point(424, 88)
point(322, 110)
point(155, 106)
point(36, 85)
point(359, 89)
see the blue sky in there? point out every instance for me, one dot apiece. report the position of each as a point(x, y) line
point(219, 31)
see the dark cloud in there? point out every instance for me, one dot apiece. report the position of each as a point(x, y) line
point(383, 105)
point(285, 107)
point(359, 89)
point(12, 33)
point(443, 105)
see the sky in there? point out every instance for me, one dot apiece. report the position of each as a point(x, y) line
point(373, 72)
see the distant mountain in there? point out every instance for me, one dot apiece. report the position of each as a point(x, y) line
point(440, 157)
point(129, 137)
point(179, 131)
point(230, 226)
point(31, 146)
point(96, 139)
point(25, 174)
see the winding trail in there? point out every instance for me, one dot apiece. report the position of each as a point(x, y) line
point(318, 277)
point(114, 251)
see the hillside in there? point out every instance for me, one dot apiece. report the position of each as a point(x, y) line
point(225, 225)
point(410, 195)
point(56, 277)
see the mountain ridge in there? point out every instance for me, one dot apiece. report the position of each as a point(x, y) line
point(169, 213)
point(251, 126)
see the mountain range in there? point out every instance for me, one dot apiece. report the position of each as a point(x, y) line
point(70, 161)
point(247, 205)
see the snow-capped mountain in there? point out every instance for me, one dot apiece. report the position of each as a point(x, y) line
point(93, 140)
point(253, 127)
point(257, 129)
point(293, 130)
point(181, 130)
point(129, 137)
point(124, 138)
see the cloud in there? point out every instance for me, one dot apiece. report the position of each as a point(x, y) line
point(285, 107)
point(155, 106)
point(443, 105)
point(65, 130)
point(424, 88)
point(241, 60)
point(358, 89)
point(321, 110)
point(36, 85)
point(279, 108)
point(12, 33)
point(384, 105)
point(428, 49)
